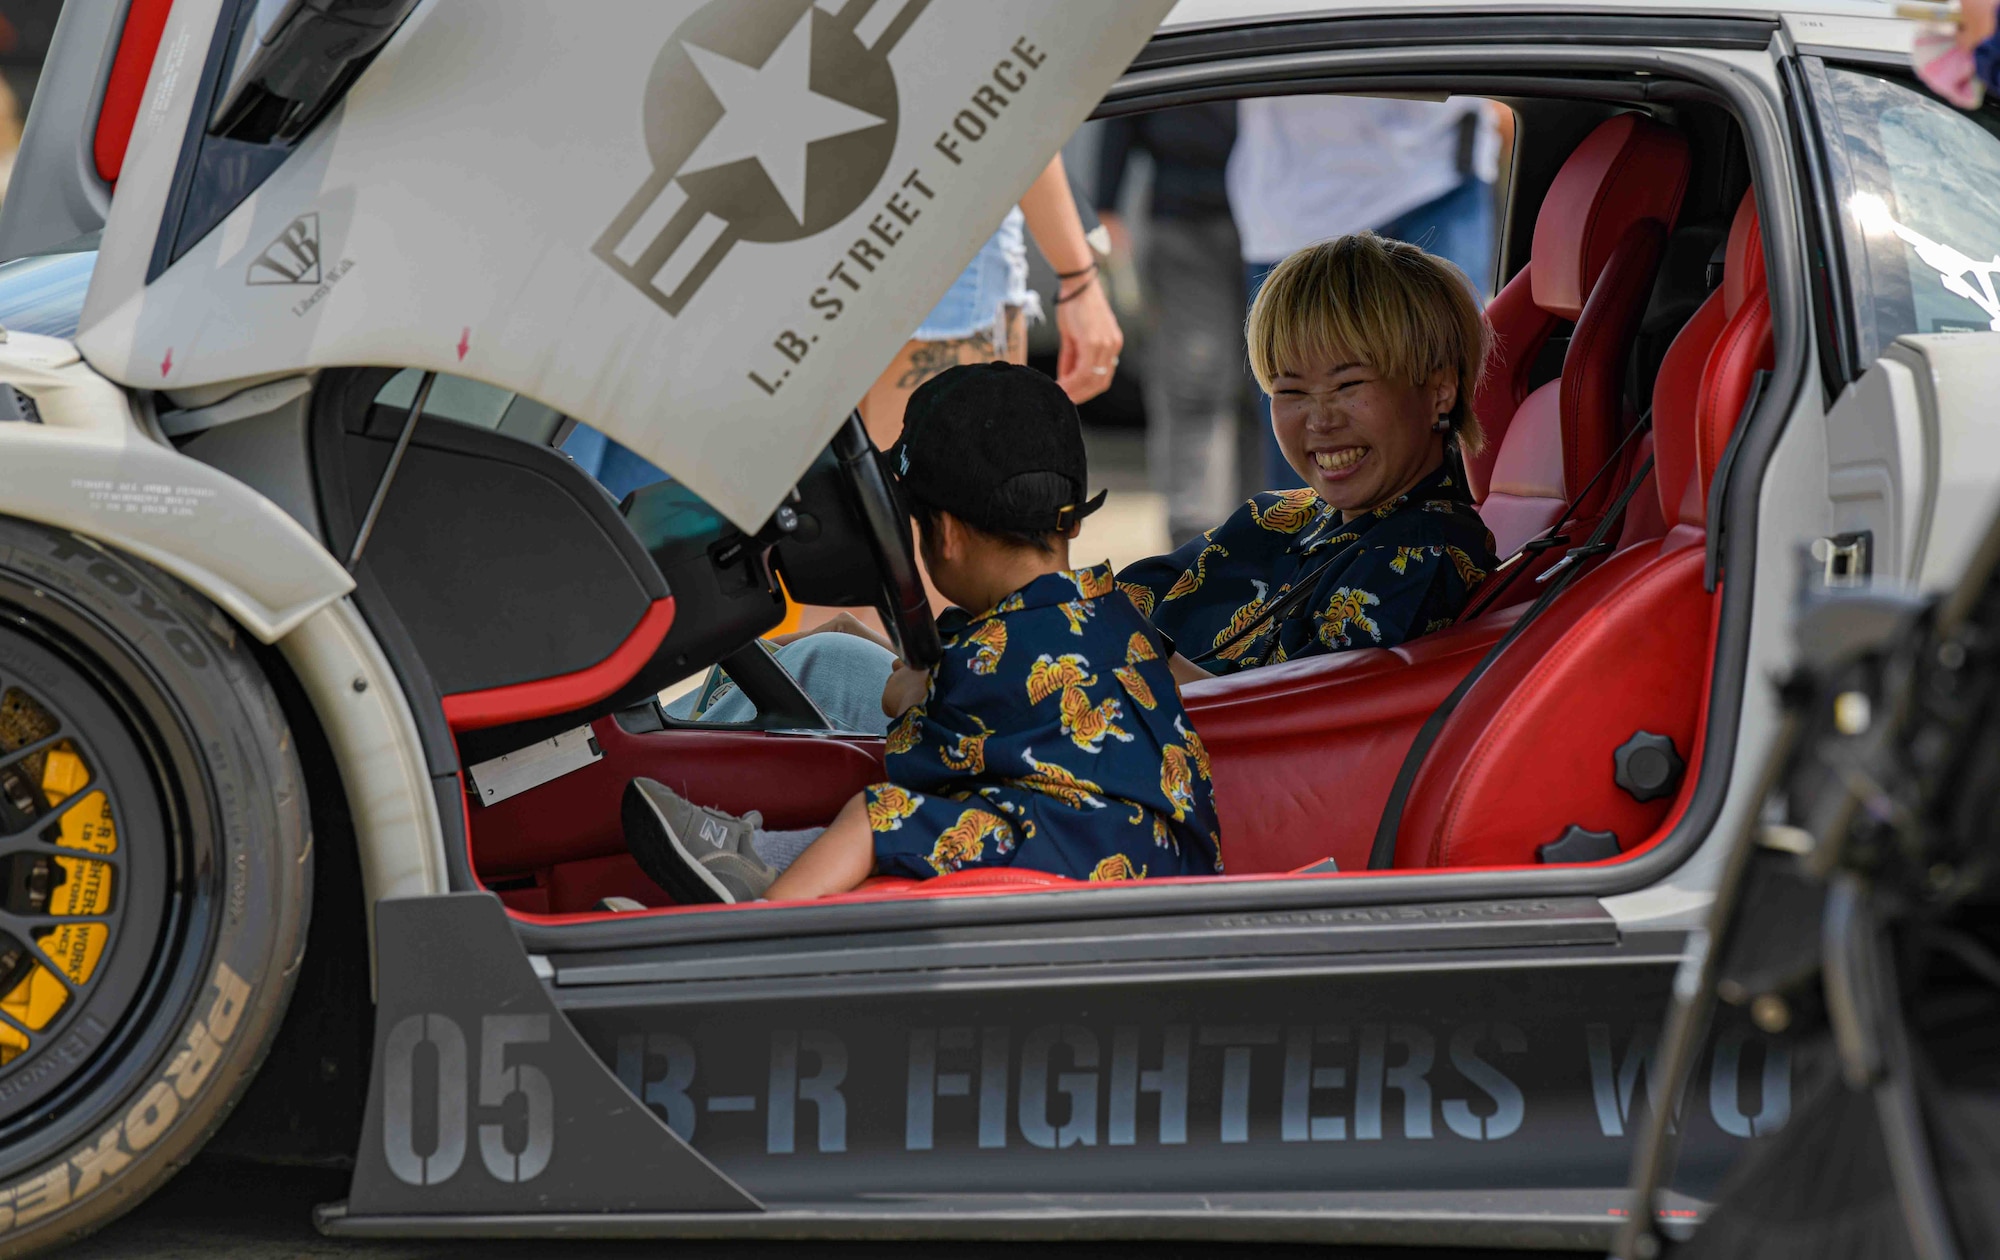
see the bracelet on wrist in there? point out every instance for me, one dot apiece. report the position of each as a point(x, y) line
point(1075, 293)
point(1072, 275)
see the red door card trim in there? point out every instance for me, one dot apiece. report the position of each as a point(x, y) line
point(544, 697)
point(137, 43)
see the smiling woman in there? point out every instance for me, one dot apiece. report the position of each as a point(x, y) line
point(1371, 351)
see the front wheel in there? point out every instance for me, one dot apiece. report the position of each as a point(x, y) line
point(155, 878)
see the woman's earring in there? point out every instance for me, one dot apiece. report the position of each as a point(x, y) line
point(1441, 425)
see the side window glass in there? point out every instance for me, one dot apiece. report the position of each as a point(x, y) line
point(475, 403)
point(1918, 186)
point(710, 698)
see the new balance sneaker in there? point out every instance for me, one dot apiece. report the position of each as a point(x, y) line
point(695, 853)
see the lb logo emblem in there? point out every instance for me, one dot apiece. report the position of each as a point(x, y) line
point(768, 122)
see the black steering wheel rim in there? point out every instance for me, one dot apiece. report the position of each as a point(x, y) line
point(904, 603)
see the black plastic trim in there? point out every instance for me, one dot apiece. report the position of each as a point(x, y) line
point(449, 790)
point(1718, 516)
point(165, 244)
point(1498, 925)
point(1532, 1219)
point(1817, 190)
point(781, 702)
point(1760, 113)
point(1871, 58)
point(1412, 28)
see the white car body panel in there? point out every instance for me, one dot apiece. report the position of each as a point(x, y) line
point(1956, 379)
point(460, 221)
point(91, 467)
point(367, 720)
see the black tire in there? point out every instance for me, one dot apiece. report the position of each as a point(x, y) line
point(209, 874)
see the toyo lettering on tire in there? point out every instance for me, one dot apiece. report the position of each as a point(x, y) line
point(155, 879)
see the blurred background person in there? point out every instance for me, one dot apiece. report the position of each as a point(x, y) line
point(25, 28)
point(985, 314)
point(1307, 168)
point(1193, 287)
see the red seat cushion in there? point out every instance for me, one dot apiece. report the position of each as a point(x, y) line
point(1530, 751)
point(1304, 752)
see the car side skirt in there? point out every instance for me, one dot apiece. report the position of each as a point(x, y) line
point(1391, 1077)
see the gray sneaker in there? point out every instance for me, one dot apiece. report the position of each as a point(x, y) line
point(696, 853)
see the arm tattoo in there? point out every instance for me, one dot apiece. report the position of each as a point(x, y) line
point(933, 357)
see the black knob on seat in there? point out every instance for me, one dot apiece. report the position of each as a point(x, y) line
point(1647, 766)
point(1579, 845)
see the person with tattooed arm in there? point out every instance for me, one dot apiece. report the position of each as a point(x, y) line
point(984, 316)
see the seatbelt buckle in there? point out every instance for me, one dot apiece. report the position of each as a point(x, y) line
point(1573, 556)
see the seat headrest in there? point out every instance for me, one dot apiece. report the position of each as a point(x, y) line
point(1629, 169)
point(1743, 258)
point(1707, 372)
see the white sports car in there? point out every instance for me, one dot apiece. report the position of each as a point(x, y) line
point(322, 671)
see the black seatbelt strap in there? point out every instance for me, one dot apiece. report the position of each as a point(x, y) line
point(1288, 603)
point(1285, 604)
point(1383, 855)
point(1553, 536)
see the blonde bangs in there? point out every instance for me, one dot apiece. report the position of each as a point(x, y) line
point(1363, 299)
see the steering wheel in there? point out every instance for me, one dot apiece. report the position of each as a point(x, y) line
point(904, 604)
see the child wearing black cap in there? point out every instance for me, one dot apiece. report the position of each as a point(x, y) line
point(1050, 736)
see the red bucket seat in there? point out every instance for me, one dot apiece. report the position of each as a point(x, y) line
point(1534, 748)
point(1598, 239)
point(1305, 752)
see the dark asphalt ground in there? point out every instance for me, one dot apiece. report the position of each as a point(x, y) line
point(218, 1209)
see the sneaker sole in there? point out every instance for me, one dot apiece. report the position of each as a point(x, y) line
point(686, 878)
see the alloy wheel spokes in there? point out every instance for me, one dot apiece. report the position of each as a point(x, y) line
point(62, 870)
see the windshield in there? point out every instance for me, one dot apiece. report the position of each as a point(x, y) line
point(44, 294)
point(1918, 184)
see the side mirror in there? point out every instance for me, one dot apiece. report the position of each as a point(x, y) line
point(293, 59)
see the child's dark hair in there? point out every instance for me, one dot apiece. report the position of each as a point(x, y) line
point(1024, 493)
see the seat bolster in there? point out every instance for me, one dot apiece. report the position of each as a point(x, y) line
point(1593, 380)
point(1677, 398)
point(1744, 348)
point(1520, 330)
point(1743, 257)
point(1304, 752)
point(1643, 518)
point(1530, 750)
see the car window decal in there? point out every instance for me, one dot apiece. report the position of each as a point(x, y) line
point(1958, 272)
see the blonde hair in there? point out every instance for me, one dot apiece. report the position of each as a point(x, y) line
point(1406, 313)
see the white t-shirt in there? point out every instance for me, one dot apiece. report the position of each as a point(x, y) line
point(1306, 168)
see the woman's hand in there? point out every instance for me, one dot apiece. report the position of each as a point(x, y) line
point(906, 688)
point(1091, 339)
point(839, 623)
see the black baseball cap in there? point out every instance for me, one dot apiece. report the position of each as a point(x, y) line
point(973, 438)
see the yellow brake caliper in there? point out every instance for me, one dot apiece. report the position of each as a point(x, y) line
point(82, 889)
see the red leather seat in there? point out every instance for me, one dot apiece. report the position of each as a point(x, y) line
point(1597, 245)
point(1530, 751)
point(1305, 752)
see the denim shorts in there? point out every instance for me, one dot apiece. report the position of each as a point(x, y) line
point(995, 279)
